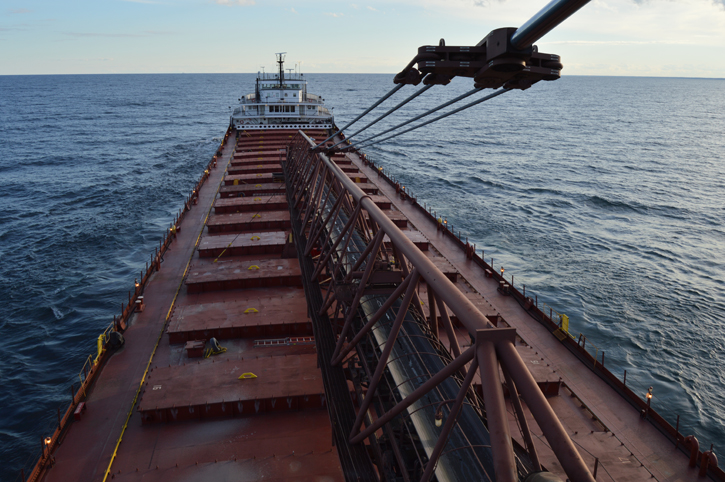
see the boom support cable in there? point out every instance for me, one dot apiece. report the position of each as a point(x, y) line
point(380, 101)
point(435, 109)
point(490, 96)
point(387, 113)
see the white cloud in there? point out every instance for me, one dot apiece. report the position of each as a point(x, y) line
point(229, 3)
point(17, 11)
point(373, 9)
point(291, 10)
point(336, 15)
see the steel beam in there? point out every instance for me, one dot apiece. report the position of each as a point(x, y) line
point(374, 319)
point(544, 21)
point(523, 424)
point(471, 318)
point(389, 343)
point(502, 449)
point(358, 294)
point(448, 426)
point(419, 392)
point(448, 326)
point(547, 420)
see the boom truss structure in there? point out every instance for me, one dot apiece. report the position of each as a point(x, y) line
point(365, 275)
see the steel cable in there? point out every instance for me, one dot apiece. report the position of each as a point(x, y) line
point(427, 113)
point(490, 96)
point(380, 101)
point(387, 113)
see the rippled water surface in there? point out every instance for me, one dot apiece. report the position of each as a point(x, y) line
point(603, 195)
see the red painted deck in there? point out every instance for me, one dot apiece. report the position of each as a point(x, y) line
point(198, 421)
point(272, 427)
point(271, 446)
point(269, 312)
point(251, 190)
point(250, 204)
point(227, 274)
point(248, 178)
point(211, 388)
point(249, 243)
point(249, 221)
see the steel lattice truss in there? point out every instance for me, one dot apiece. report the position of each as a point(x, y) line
point(356, 249)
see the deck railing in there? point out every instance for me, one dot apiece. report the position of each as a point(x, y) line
point(94, 361)
point(576, 345)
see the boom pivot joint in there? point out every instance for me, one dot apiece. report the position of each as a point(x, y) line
point(492, 63)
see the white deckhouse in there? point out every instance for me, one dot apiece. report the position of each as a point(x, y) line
point(281, 101)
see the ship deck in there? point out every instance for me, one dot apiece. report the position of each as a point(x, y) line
point(258, 410)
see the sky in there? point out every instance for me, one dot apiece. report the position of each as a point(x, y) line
point(668, 38)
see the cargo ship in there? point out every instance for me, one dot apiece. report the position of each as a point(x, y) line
point(306, 318)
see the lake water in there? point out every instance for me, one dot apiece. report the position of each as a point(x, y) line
point(603, 195)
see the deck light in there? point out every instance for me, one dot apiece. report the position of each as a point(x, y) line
point(47, 440)
point(135, 281)
point(439, 417)
point(649, 394)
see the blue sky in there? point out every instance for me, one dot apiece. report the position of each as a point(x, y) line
point(682, 38)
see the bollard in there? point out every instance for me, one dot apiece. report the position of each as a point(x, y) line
point(694, 446)
point(708, 458)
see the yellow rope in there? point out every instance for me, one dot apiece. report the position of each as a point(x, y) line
point(158, 340)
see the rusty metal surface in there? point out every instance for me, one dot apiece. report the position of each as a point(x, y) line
point(212, 388)
point(231, 274)
point(249, 221)
point(251, 189)
point(250, 204)
point(253, 313)
point(242, 244)
point(271, 446)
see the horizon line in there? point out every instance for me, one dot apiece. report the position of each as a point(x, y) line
point(343, 73)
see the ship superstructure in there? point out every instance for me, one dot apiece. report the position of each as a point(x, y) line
point(281, 101)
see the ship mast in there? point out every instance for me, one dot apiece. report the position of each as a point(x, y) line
point(280, 61)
